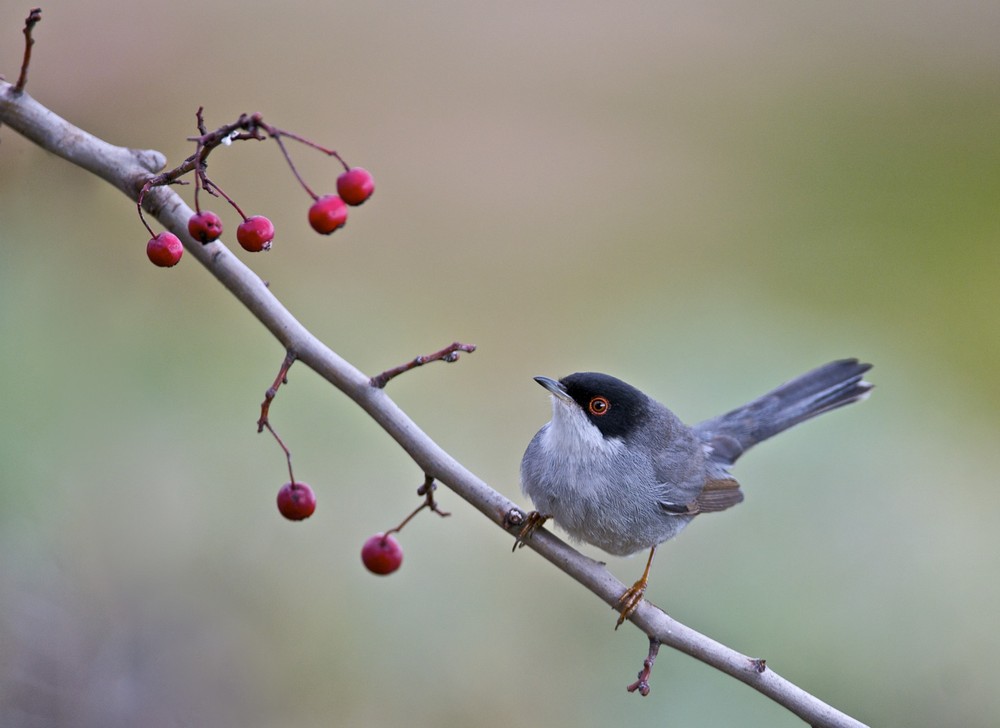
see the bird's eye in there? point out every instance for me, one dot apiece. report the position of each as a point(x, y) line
point(599, 406)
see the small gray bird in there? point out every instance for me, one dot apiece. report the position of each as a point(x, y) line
point(617, 469)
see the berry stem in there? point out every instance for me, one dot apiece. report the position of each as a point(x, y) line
point(201, 176)
point(291, 165)
point(274, 132)
point(288, 453)
point(150, 184)
point(426, 490)
point(142, 194)
point(272, 391)
point(265, 406)
point(213, 189)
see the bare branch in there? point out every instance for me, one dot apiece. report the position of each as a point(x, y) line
point(129, 170)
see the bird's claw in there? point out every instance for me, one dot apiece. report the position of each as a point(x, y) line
point(629, 601)
point(532, 522)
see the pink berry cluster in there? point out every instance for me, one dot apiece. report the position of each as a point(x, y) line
point(327, 214)
point(296, 501)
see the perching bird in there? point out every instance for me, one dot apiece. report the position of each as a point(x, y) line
point(617, 469)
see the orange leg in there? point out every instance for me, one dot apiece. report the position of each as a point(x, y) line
point(629, 601)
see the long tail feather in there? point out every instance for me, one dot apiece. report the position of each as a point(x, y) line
point(831, 386)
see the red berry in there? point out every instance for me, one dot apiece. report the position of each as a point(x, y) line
point(381, 554)
point(296, 501)
point(164, 249)
point(255, 233)
point(355, 185)
point(327, 214)
point(205, 227)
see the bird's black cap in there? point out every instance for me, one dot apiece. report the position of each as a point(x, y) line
point(615, 408)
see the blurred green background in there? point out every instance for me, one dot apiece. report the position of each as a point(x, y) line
point(704, 199)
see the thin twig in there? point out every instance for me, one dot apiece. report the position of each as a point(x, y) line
point(265, 409)
point(34, 17)
point(447, 354)
point(272, 391)
point(427, 491)
point(642, 683)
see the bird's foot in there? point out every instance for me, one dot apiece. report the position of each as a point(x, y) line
point(531, 523)
point(629, 601)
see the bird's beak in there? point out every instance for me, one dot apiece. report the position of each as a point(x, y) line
point(557, 389)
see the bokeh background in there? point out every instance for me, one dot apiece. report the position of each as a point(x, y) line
point(703, 198)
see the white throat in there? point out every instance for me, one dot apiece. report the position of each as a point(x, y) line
point(574, 438)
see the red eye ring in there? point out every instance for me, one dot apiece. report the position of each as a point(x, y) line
point(598, 406)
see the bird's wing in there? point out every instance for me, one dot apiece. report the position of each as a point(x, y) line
point(717, 495)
